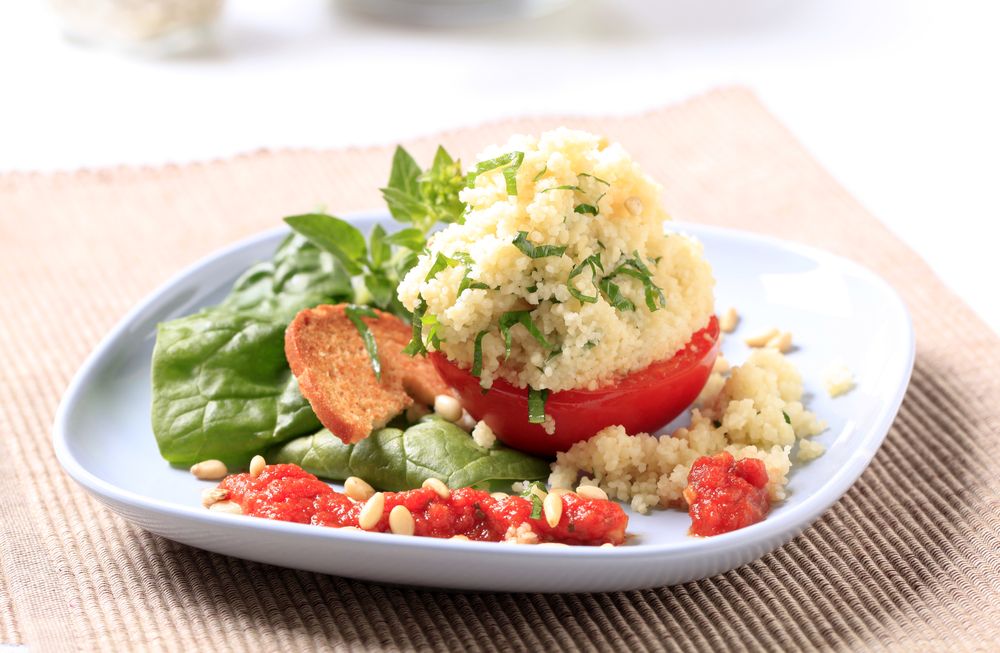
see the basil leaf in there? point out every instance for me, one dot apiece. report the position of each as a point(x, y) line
point(511, 319)
point(585, 208)
point(541, 173)
point(594, 177)
point(221, 387)
point(536, 251)
point(535, 497)
point(403, 206)
point(536, 405)
point(477, 354)
point(410, 238)
point(402, 187)
point(613, 294)
point(378, 247)
point(788, 420)
point(354, 313)
point(396, 460)
point(441, 261)
point(510, 162)
point(565, 187)
point(594, 263)
point(340, 238)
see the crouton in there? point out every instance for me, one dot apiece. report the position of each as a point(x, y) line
point(329, 359)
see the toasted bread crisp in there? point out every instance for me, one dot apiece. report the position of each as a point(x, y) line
point(329, 359)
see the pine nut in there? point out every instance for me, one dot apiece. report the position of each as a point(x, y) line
point(466, 422)
point(761, 339)
point(500, 495)
point(607, 545)
point(372, 511)
point(448, 408)
point(462, 538)
point(213, 495)
point(257, 465)
point(592, 492)
point(209, 470)
point(729, 320)
point(552, 508)
point(401, 521)
point(228, 507)
point(357, 489)
point(633, 205)
point(438, 486)
point(782, 342)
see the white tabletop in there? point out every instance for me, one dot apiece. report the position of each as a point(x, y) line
point(898, 99)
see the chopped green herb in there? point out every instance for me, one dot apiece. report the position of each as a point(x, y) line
point(354, 314)
point(586, 208)
point(536, 251)
point(535, 498)
point(510, 319)
point(788, 420)
point(510, 163)
point(590, 344)
point(440, 262)
point(614, 295)
point(536, 405)
point(541, 173)
point(565, 187)
point(594, 177)
point(532, 288)
point(477, 354)
point(594, 263)
point(634, 267)
point(416, 344)
point(431, 321)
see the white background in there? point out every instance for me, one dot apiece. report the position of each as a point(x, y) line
point(899, 100)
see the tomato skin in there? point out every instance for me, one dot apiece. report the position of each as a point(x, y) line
point(642, 402)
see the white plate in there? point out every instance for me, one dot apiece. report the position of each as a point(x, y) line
point(836, 309)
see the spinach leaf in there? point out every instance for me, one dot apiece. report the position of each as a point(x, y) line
point(394, 460)
point(221, 384)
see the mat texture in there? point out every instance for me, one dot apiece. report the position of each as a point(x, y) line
point(907, 560)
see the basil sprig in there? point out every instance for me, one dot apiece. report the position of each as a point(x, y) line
point(354, 314)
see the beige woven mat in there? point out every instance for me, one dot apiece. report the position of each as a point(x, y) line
point(908, 559)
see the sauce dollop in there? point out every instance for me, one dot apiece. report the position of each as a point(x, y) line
point(289, 493)
point(724, 494)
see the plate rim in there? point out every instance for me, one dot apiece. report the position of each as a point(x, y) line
point(776, 526)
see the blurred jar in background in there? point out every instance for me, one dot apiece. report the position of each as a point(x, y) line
point(454, 13)
point(154, 27)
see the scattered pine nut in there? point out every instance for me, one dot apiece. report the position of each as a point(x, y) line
point(257, 465)
point(357, 489)
point(213, 495)
point(607, 545)
point(401, 521)
point(633, 205)
point(228, 507)
point(462, 538)
point(209, 470)
point(372, 511)
point(552, 508)
point(500, 495)
point(782, 342)
point(761, 340)
point(467, 422)
point(438, 486)
point(448, 408)
point(729, 320)
point(591, 492)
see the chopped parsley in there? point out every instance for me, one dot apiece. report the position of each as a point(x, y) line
point(354, 313)
point(788, 420)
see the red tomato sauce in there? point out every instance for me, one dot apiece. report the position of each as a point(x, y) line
point(289, 493)
point(724, 494)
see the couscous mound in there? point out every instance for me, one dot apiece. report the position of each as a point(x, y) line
point(566, 233)
point(756, 412)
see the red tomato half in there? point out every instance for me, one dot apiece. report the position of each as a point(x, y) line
point(643, 401)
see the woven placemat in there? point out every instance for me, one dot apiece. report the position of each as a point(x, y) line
point(907, 560)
